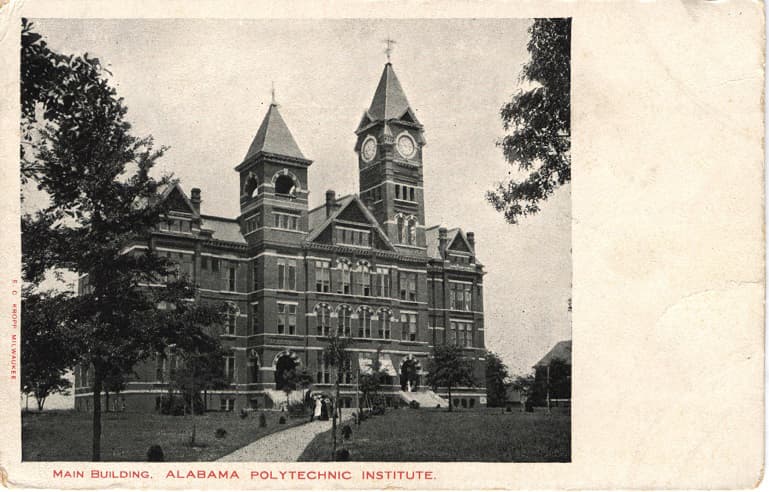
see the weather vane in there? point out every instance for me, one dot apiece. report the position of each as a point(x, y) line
point(388, 51)
point(273, 94)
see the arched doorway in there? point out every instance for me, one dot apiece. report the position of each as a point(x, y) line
point(284, 364)
point(409, 374)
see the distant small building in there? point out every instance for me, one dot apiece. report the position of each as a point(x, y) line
point(552, 375)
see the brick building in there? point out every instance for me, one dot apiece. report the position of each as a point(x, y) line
point(364, 265)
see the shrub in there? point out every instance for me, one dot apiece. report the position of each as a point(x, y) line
point(262, 420)
point(243, 413)
point(414, 404)
point(346, 432)
point(282, 420)
point(155, 453)
point(378, 410)
point(508, 409)
point(363, 416)
point(438, 405)
point(172, 405)
point(342, 455)
point(220, 433)
point(297, 410)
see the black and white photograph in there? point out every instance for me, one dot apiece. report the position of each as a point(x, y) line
point(294, 240)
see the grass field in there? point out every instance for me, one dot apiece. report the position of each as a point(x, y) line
point(486, 435)
point(65, 435)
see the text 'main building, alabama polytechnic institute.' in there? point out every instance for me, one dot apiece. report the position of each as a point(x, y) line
point(362, 265)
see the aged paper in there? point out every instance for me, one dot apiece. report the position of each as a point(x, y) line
point(657, 244)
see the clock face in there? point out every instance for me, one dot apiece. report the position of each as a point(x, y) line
point(369, 149)
point(406, 146)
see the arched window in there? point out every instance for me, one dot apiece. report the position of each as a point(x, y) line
point(323, 315)
point(284, 185)
point(344, 327)
point(385, 324)
point(412, 231)
point(364, 326)
point(345, 279)
point(252, 186)
point(364, 279)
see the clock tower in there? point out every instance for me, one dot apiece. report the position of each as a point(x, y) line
point(389, 146)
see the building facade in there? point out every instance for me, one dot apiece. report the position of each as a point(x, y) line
point(365, 266)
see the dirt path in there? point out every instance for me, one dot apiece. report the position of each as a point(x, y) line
point(283, 446)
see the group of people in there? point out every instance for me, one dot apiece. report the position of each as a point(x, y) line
point(322, 407)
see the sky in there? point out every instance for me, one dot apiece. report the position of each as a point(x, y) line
point(202, 87)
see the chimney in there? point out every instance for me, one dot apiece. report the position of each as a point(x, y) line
point(442, 240)
point(330, 202)
point(195, 199)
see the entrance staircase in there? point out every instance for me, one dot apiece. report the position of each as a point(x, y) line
point(425, 398)
point(278, 397)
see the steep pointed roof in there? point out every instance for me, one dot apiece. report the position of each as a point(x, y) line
point(389, 99)
point(274, 137)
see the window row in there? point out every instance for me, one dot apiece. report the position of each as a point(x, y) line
point(366, 324)
point(253, 223)
point(352, 237)
point(282, 220)
point(461, 333)
point(175, 225)
point(460, 296)
point(363, 280)
point(407, 193)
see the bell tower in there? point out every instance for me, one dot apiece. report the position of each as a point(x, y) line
point(273, 184)
point(389, 146)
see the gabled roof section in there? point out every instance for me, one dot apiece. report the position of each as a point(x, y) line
point(561, 350)
point(389, 102)
point(459, 241)
point(274, 137)
point(178, 199)
point(319, 222)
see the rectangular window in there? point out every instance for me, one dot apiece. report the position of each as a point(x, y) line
point(397, 192)
point(231, 278)
point(408, 286)
point(382, 282)
point(286, 318)
point(229, 367)
point(204, 262)
point(214, 264)
point(322, 276)
point(286, 221)
point(226, 404)
point(411, 194)
point(255, 273)
point(286, 274)
point(322, 376)
point(408, 326)
point(254, 318)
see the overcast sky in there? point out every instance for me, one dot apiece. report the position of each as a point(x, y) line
point(202, 87)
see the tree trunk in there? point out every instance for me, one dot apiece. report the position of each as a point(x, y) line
point(106, 401)
point(27, 402)
point(40, 403)
point(333, 417)
point(451, 405)
point(96, 443)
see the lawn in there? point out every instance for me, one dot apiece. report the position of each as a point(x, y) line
point(66, 435)
point(486, 435)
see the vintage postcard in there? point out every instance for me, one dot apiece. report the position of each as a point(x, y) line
point(365, 245)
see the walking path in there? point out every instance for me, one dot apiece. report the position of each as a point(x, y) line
point(283, 446)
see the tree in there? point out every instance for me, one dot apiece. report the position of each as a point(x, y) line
point(526, 386)
point(370, 384)
point(496, 380)
point(540, 121)
point(96, 177)
point(293, 380)
point(449, 367)
point(44, 352)
point(336, 356)
point(114, 382)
